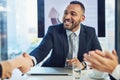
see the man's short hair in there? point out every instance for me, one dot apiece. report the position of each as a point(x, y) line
point(79, 3)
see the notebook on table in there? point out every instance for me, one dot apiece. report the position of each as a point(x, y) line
point(37, 70)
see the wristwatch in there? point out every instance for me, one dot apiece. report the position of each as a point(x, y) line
point(85, 65)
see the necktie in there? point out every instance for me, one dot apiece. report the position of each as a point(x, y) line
point(72, 48)
point(72, 45)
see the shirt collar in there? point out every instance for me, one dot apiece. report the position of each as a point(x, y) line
point(68, 32)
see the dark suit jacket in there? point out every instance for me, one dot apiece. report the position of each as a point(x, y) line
point(56, 39)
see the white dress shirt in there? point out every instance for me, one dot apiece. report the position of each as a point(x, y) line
point(68, 32)
point(116, 72)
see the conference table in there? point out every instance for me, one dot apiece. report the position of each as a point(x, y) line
point(85, 75)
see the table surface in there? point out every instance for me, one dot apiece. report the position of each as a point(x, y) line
point(85, 75)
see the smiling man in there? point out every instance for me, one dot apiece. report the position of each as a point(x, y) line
point(58, 39)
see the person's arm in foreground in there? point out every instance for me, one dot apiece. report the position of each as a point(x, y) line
point(107, 62)
point(24, 63)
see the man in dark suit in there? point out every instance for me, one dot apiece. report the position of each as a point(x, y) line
point(57, 39)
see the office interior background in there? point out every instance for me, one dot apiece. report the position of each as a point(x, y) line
point(19, 27)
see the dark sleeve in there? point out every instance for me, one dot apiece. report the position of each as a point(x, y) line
point(95, 42)
point(0, 70)
point(42, 50)
point(91, 38)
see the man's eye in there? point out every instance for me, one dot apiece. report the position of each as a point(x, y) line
point(73, 14)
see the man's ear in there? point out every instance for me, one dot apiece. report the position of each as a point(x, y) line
point(82, 18)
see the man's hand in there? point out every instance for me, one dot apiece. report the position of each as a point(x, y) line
point(103, 61)
point(23, 63)
point(76, 62)
point(26, 63)
point(7, 69)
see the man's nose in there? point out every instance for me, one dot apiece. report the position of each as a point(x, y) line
point(68, 16)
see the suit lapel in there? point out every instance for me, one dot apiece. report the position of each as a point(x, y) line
point(82, 41)
point(65, 43)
